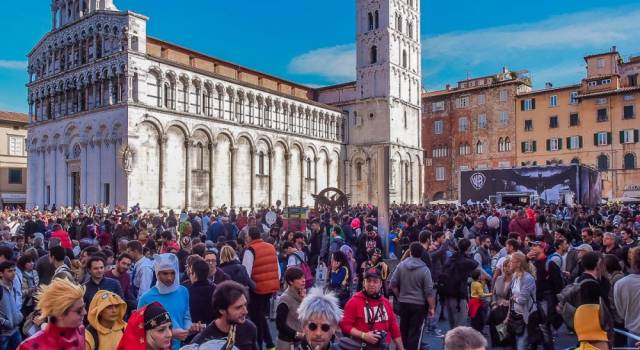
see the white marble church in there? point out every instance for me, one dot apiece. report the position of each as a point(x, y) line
point(120, 117)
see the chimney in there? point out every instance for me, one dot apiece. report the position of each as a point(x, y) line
point(505, 70)
point(614, 48)
point(448, 87)
point(548, 85)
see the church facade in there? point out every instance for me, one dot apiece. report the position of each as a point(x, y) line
point(122, 118)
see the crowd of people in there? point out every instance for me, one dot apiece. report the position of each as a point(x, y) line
point(99, 278)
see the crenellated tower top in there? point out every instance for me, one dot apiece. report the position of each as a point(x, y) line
point(64, 12)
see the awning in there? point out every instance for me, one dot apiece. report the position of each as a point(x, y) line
point(17, 198)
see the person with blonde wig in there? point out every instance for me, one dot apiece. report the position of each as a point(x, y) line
point(60, 304)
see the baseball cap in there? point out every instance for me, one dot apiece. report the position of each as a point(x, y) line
point(372, 273)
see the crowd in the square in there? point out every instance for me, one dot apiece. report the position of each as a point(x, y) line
point(501, 276)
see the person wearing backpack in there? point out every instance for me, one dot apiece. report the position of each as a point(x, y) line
point(297, 258)
point(106, 321)
point(454, 283)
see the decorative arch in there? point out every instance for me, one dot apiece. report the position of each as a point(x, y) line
point(180, 125)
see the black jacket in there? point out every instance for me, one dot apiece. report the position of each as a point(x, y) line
point(200, 294)
point(237, 272)
point(246, 335)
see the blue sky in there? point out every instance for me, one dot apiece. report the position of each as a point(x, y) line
point(311, 42)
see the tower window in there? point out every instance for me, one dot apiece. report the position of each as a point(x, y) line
point(370, 21)
point(404, 58)
point(374, 54)
point(377, 20)
point(399, 23)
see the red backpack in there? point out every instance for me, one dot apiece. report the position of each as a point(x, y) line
point(309, 279)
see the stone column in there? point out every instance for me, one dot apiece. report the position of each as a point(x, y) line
point(232, 167)
point(252, 175)
point(347, 177)
point(302, 179)
point(129, 88)
point(187, 181)
point(211, 147)
point(369, 177)
point(162, 144)
point(287, 160)
point(411, 179)
point(110, 97)
point(271, 155)
point(315, 174)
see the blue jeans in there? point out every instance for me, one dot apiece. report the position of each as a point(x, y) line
point(11, 342)
point(522, 341)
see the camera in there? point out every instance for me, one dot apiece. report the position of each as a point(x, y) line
point(382, 341)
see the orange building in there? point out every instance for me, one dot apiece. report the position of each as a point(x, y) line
point(594, 123)
point(471, 126)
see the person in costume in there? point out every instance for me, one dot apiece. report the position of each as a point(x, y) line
point(173, 297)
point(106, 321)
point(60, 304)
point(149, 328)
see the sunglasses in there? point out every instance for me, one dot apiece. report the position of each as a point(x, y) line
point(324, 327)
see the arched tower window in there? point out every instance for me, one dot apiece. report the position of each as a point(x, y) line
point(629, 161)
point(603, 162)
point(501, 145)
point(404, 58)
point(399, 23)
point(377, 19)
point(374, 54)
point(309, 168)
point(261, 163)
point(410, 29)
point(507, 144)
point(479, 147)
point(370, 16)
point(358, 171)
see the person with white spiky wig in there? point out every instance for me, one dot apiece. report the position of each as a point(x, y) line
point(320, 316)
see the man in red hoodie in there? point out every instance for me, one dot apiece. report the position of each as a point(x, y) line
point(522, 225)
point(63, 235)
point(368, 314)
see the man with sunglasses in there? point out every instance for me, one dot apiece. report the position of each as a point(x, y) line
point(320, 316)
point(368, 315)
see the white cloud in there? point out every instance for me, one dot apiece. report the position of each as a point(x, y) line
point(544, 47)
point(337, 63)
point(8, 64)
point(592, 29)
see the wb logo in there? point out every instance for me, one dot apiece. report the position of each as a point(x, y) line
point(478, 180)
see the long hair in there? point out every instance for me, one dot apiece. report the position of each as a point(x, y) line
point(54, 299)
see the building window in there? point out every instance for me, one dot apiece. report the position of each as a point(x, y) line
point(479, 147)
point(404, 58)
point(482, 121)
point(528, 146)
point(439, 127)
point(439, 173)
point(377, 19)
point(573, 99)
point(574, 142)
point(358, 171)
point(15, 176)
point(106, 194)
point(602, 101)
point(504, 94)
point(528, 125)
point(553, 122)
point(465, 149)
point(507, 144)
point(603, 162)
point(602, 115)
point(370, 21)
point(574, 119)
point(410, 29)
point(628, 97)
point(629, 161)
point(16, 144)
point(261, 164)
point(462, 102)
point(463, 124)
point(553, 101)
point(554, 144)
point(374, 54)
point(406, 122)
point(628, 112)
point(399, 23)
point(602, 138)
point(633, 79)
point(504, 119)
point(309, 173)
point(528, 104)
point(437, 106)
point(482, 99)
point(629, 136)
point(601, 62)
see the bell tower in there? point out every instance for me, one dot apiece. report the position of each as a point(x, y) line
point(64, 12)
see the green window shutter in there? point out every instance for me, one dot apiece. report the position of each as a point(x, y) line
point(548, 145)
point(535, 147)
point(522, 105)
point(609, 138)
point(533, 103)
point(621, 136)
point(580, 141)
point(595, 139)
point(522, 146)
point(569, 143)
point(560, 143)
point(636, 135)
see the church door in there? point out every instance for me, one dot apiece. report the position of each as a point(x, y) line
point(75, 183)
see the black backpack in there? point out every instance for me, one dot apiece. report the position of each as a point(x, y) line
point(451, 282)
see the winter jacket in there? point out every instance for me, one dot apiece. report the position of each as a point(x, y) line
point(54, 337)
point(413, 279)
point(522, 226)
point(108, 338)
point(356, 316)
point(200, 294)
point(238, 273)
point(10, 315)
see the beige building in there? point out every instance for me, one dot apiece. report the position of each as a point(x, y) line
point(13, 158)
point(593, 123)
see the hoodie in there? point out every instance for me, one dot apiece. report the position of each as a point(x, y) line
point(109, 337)
point(356, 317)
point(413, 279)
